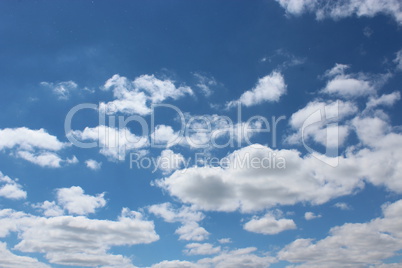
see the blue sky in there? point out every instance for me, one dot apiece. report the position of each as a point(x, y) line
point(200, 134)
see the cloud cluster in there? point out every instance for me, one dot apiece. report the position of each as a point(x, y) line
point(35, 146)
point(249, 188)
point(352, 244)
point(72, 200)
point(342, 9)
point(78, 241)
point(137, 96)
point(187, 216)
point(10, 188)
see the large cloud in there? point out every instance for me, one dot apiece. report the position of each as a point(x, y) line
point(352, 244)
point(78, 240)
point(257, 177)
point(10, 260)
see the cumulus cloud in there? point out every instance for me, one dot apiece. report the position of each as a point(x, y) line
point(113, 143)
point(75, 201)
point(241, 185)
point(28, 139)
point(201, 249)
point(352, 85)
point(268, 88)
point(342, 9)
point(311, 122)
point(384, 100)
point(269, 225)
point(352, 244)
point(243, 257)
point(276, 177)
point(78, 241)
point(10, 260)
point(311, 216)
point(49, 209)
point(92, 164)
point(137, 96)
point(169, 161)
point(187, 216)
point(10, 188)
point(35, 146)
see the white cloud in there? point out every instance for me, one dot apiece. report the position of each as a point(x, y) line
point(254, 180)
point(297, 7)
point(352, 85)
point(320, 132)
point(165, 136)
point(370, 129)
point(190, 229)
point(10, 188)
point(205, 83)
point(269, 225)
point(225, 240)
point(113, 143)
point(28, 139)
point(50, 209)
point(35, 146)
point(398, 60)
point(137, 96)
point(78, 241)
point(352, 244)
point(384, 100)
point(342, 9)
point(243, 257)
point(170, 214)
point(10, 260)
point(92, 164)
point(201, 249)
point(311, 216)
point(342, 206)
point(269, 88)
point(177, 264)
point(46, 159)
point(62, 89)
point(76, 202)
point(169, 161)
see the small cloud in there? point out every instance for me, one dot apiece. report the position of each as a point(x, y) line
point(62, 89)
point(367, 31)
point(342, 206)
point(269, 224)
point(311, 216)
point(205, 84)
point(201, 249)
point(268, 88)
point(10, 189)
point(225, 240)
point(92, 164)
